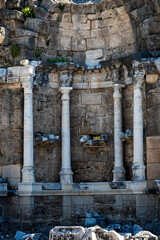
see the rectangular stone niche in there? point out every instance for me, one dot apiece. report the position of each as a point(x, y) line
point(92, 140)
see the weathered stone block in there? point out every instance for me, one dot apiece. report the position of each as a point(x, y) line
point(82, 200)
point(93, 57)
point(78, 44)
point(94, 16)
point(79, 18)
point(116, 41)
point(38, 25)
point(153, 142)
point(92, 98)
point(2, 4)
point(95, 54)
point(48, 5)
point(42, 40)
point(152, 78)
point(84, 34)
point(153, 156)
point(82, 26)
point(12, 4)
point(94, 24)
point(66, 233)
point(13, 15)
point(30, 42)
point(13, 25)
point(65, 43)
point(12, 173)
point(23, 33)
point(4, 36)
point(66, 17)
point(109, 13)
point(95, 43)
point(153, 171)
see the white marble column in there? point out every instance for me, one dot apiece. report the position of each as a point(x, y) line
point(119, 171)
point(138, 163)
point(28, 164)
point(66, 174)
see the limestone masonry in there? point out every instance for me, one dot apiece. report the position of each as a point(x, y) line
point(79, 114)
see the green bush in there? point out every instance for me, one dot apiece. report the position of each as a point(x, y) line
point(28, 12)
point(15, 50)
point(37, 53)
point(58, 59)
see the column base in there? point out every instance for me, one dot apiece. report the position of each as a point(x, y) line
point(27, 188)
point(28, 174)
point(138, 172)
point(66, 176)
point(118, 174)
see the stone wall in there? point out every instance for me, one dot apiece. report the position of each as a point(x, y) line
point(91, 110)
point(35, 213)
point(118, 28)
point(30, 212)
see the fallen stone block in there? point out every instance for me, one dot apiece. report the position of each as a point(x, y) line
point(19, 235)
point(136, 229)
point(79, 233)
point(74, 233)
point(34, 236)
point(97, 233)
point(145, 235)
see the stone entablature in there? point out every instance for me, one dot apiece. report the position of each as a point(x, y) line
point(66, 74)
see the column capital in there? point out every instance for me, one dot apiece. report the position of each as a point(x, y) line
point(118, 90)
point(65, 92)
point(65, 77)
point(27, 85)
point(138, 80)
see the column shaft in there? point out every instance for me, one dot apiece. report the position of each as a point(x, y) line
point(66, 153)
point(66, 172)
point(118, 172)
point(28, 164)
point(138, 164)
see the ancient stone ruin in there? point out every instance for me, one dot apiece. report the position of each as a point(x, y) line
point(79, 114)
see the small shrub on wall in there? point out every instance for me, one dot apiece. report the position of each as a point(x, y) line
point(28, 12)
point(15, 50)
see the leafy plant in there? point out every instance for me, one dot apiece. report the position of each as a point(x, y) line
point(15, 50)
point(58, 59)
point(28, 12)
point(61, 6)
point(37, 53)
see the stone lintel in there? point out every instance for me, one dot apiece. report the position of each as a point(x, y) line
point(29, 187)
point(16, 74)
point(85, 189)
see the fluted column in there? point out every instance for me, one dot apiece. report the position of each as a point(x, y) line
point(66, 174)
point(138, 163)
point(119, 171)
point(28, 164)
